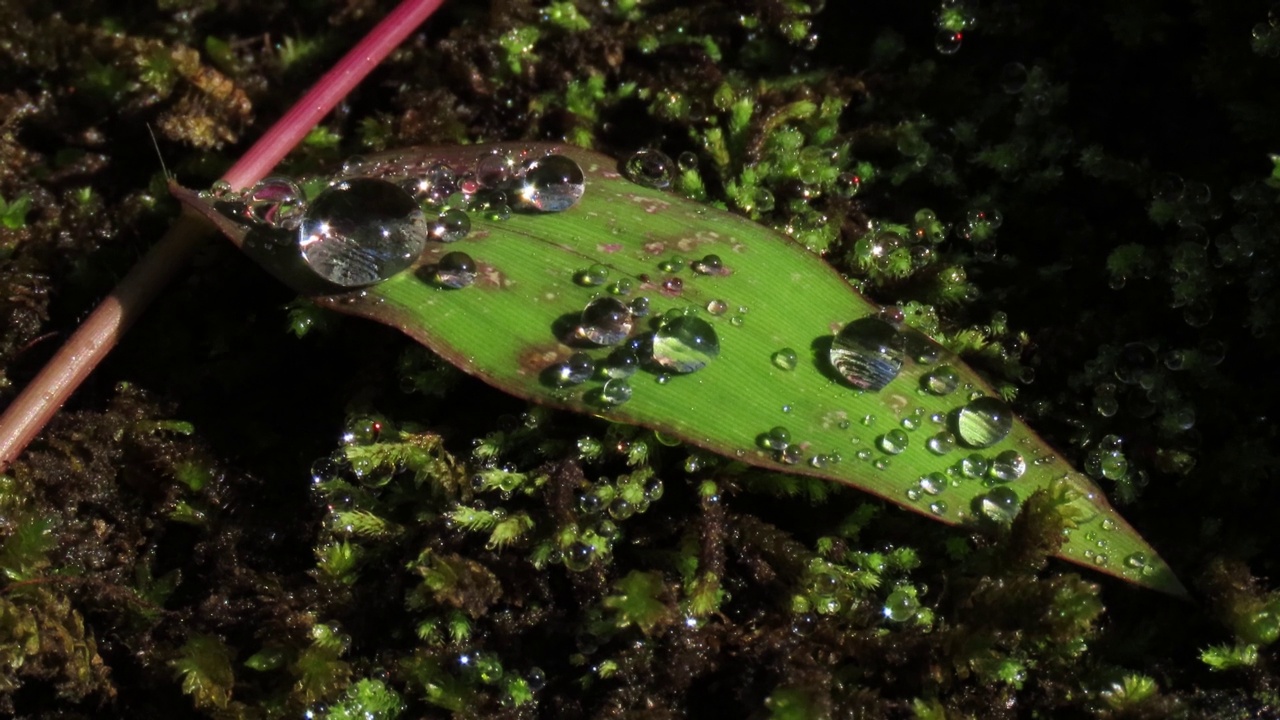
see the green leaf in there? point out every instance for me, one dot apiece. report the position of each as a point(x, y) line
point(516, 322)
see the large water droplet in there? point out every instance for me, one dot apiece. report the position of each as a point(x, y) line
point(551, 184)
point(868, 352)
point(276, 202)
point(495, 170)
point(361, 231)
point(455, 270)
point(984, 422)
point(651, 168)
point(685, 344)
point(605, 321)
point(1008, 466)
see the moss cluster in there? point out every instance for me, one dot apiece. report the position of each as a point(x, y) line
point(261, 510)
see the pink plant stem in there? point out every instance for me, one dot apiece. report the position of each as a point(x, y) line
point(27, 415)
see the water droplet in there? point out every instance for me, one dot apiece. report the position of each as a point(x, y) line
point(717, 307)
point(361, 231)
point(893, 442)
point(455, 270)
point(276, 202)
point(914, 494)
point(786, 359)
point(451, 226)
point(1008, 466)
point(974, 466)
point(941, 443)
point(1000, 505)
point(933, 483)
point(648, 167)
point(623, 286)
point(687, 161)
point(1137, 561)
point(901, 605)
point(947, 42)
point(551, 184)
point(776, 439)
point(615, 391)
point(621, 363)
point(574, 371)
point(984, 422)
point(593, 276)
point(605, 321)
point(847, 184)
point(868, 352)
point(495, 170)
point(709, 265)
point(791, 455)
point(942, 380)
point(578, 556)
point(671, 265)
point(640, 307)
point(938, 508)
point(881, 464)
point(685, 344)
point(672, 286)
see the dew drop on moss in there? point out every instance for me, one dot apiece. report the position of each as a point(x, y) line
point(1008, 466)
point(553, 183)
point(605, 321)
point(942, 380)
point(900, 606)
point(455, 270)
point(578, 556)
point(893, 442)
point(648, 167)
point(868, 352)
point(685, 344)
point(984, 422)
point(361, 231)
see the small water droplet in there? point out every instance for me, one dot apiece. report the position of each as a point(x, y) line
point(605, 321)
point(672, 286)
point(893, 442)
point(791, 455)
point(671, 265)
point(623, 286)
point(941, 443)
point(942, 380)
point(984, 422)
point(685, 344)
point(776, 439)
point(621, 363)
point(615, 392)
point(361, 231)
point(786, 359)
point(648, 167)
point(593, 276)
point(574, 371)
point(938, 507)
point(947, 42)
point(1008, 466)
point(868, 352)
point(275, 201)
point(495, 170)
point(455, 270)
point(900, 606)
point(933, 483)
point(1000, 505)
point(640, 307)
point(1137, 560)
point(709, 265)
point(974, 466)
point(451, 226)
point(717, 307)
point(687, 161)
point(553, 183)
point(847, 184)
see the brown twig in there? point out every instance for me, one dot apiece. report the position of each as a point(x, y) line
point(27, 415)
